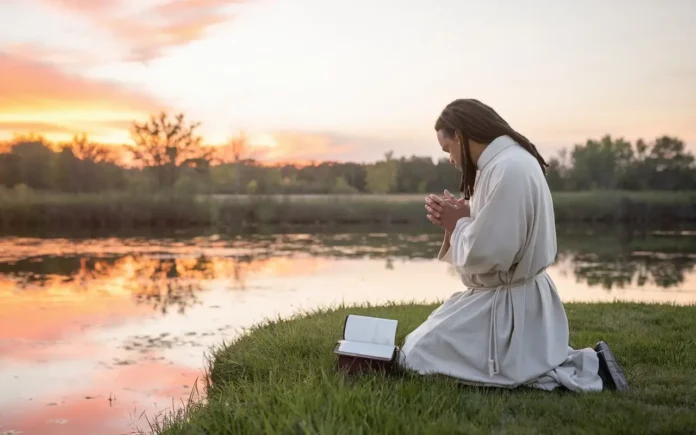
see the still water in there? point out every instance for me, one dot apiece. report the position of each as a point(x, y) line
point(96, 331)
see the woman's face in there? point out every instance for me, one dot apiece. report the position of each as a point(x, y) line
point(451, 146)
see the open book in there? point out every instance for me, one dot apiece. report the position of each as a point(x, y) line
point(368, 337)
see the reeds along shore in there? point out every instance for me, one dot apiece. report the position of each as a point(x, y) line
point(171, 210)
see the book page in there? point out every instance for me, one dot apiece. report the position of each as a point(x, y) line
point(370, 330)
point(366, 349)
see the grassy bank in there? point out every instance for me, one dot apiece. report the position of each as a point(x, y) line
point(128, 210)
point(279, 378)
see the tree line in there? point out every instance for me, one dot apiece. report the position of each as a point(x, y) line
point(167, 153)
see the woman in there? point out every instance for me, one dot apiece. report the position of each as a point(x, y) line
point(509, 328)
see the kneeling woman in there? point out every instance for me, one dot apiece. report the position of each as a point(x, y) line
point(509, 328)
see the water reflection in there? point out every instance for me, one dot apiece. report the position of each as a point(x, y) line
point(167, 274)
point(635, 270)
point(622, 259)
point(82, 321)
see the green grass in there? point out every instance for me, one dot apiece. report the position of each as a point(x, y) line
point(124, 210)
point(280, 378)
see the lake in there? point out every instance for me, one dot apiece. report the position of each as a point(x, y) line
point(94, 331)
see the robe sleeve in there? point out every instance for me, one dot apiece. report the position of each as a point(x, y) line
point(445, 253)
point(492, 240)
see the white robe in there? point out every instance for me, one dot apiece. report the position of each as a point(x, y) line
point(509, 328)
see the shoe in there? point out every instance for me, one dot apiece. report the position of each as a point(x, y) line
point(610, 370)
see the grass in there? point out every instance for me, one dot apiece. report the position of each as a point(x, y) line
point(280, 378)
point(119, 210)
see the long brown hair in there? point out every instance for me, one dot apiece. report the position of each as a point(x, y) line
point(471, 119)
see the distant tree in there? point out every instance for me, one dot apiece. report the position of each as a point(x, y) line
point(84, 149)
point(599, 164)
point(382, 176)
point(612, 164)
point(225, 178)
point(231, 157)
point(414, 174)
point(341, 186)
point(84, 166)
point(66, 172)
point(10, 170)
point(168, 154)
point(555, 175)
point(33, 158)
point(669, 165)
point(444, 176)
point(165, 146)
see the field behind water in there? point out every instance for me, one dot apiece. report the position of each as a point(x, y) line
point(172, 210)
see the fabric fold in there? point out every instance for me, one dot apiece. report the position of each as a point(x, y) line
point(509, 327)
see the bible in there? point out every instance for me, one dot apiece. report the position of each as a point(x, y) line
point(368, 344)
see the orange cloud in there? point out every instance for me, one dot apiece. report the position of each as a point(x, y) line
point(81, 5)
point(300, 148)
point(149, 31)
point(41, 98)
point(44, 128)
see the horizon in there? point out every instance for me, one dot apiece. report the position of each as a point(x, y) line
point(336, 82)
point(121, 154)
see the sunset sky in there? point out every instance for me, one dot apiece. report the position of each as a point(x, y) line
point(320, 79)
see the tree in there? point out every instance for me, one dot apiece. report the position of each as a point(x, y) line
point(168, 154)
point(669, 165)
point(231, 156)
point(599, 164)
point(445, 176)
point(165, 146)
point(84, 166)
point(341, 186)
point(555, 174)
point(66, 173)
point(84, 149)
point(34, 159)
point(414, 174)
point(10, 171)
point(611, 164)
point(381, 177)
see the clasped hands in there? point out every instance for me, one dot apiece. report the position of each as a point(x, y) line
point(446, 211)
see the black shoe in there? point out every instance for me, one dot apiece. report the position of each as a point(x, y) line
point(610, 370)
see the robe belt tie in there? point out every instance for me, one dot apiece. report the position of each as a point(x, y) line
point(493, 367)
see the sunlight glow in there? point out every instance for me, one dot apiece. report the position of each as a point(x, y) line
point(103, 125)
point(310, 78)
point(263, 140)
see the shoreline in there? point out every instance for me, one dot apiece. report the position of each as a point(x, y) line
point(123, 210)
point(269, 379)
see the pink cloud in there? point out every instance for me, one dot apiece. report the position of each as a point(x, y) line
point(154, 29)
point(304, 147)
